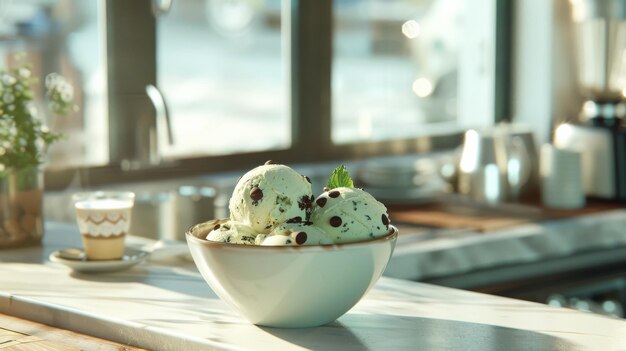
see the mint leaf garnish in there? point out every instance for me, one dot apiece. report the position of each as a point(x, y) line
point(340, 178)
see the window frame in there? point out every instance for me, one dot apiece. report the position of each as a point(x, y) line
point(310, 41)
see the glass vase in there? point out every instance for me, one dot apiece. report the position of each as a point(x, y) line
point(21, 199)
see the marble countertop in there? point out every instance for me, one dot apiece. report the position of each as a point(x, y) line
point(164, 304)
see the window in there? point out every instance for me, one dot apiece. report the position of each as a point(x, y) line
point(63, 36)
point(223, 69)
point(246, 80)
point(395, 68)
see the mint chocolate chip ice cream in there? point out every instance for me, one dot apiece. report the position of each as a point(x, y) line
point(350, 214)
point(270, 195)
point(232, 232)
point(299, 233)
point(272, 205)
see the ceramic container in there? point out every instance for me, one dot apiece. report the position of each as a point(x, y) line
point(287, 286)
point(104, 219)
point(561, 174)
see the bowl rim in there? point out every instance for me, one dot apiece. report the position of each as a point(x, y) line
point(392, 235)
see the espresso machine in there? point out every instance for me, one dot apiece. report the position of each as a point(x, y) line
point(599, 133)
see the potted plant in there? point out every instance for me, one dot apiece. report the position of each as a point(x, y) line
point(23, 141)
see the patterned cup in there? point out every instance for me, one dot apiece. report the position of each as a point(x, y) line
point(103, 219)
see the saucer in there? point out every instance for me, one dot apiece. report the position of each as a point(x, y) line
point(76, 260)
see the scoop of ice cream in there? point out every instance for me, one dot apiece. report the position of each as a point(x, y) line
point(278, 240)
point(269, 195)
point(233, 232)
point(311, 234)
point(281, 237)
point(258, 240)
point(350, 214)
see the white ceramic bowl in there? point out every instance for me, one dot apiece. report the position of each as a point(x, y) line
point(286, 286)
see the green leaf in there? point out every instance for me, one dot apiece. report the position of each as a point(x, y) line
point(340, 178)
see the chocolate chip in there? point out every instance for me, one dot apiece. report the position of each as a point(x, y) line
point(304, 203)
point(385, 219)
point(321, 201)
point(335, 221)
point(300, 237)
point(217, 226)
point(269, 162)
point(256, 194)
point(333, 194)
point(307, 179)
point(297, 219)
point(326, 188)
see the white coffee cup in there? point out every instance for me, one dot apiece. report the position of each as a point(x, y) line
point(104, 219)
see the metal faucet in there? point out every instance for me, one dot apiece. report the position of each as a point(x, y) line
point(163, 123)
point(150, 129)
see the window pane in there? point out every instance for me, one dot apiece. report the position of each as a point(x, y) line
point(395, 68)
point(63, 36)
point(222, 69)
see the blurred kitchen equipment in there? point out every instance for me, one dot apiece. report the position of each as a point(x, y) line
point(194, 204)
point(600, 38)
point(524, 136)
point(494, 165)
point(153, 215)
point(167, 215)
point(603, 157)
point(561, 176)
point(402, 180)
point(482, 173)
point(397, 173)
point(597, 156)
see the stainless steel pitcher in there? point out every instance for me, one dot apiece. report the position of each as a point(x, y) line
point(494, 165)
